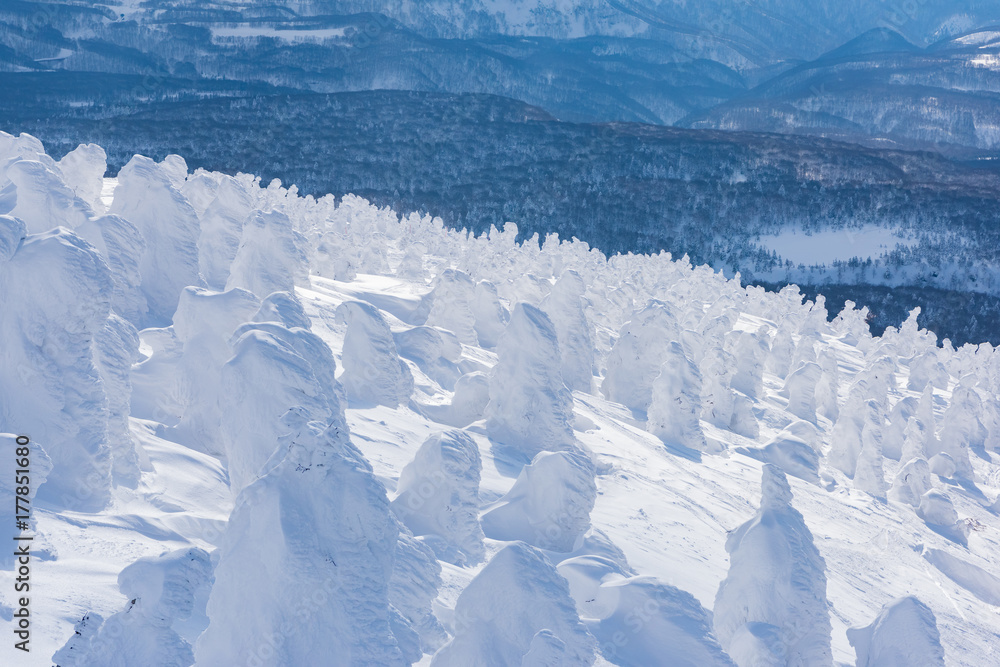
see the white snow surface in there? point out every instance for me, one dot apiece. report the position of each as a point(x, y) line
point(210, 477)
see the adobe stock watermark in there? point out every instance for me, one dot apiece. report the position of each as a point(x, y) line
point(22, 543)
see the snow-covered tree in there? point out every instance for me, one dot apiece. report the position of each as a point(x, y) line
point(903, 634)
point(517, 577)
point(549, 505)
point(169, 225)
point(638, 354)
point(530, 409)
point(438, 495)
point(564, 306)
point(676, 401)
point(162, 591)
point(318, 522)
point(771, 609)
point(373, 372)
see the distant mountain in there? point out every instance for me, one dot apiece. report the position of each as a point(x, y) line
point(590, 78)
point(881, 90)
point(742, 34)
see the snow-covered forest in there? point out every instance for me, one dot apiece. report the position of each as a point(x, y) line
point(269, 429)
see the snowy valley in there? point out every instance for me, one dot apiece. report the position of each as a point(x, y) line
point(273, 429)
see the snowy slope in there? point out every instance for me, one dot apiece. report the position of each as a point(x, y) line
point(384, 462)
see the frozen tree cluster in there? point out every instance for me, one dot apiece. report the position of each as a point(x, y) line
point(438, 447)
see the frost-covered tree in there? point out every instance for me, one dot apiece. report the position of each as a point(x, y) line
point(122, 247)
point(83, 170)
point(451, 303)
point(771, 609)
point(273, 370)
point(564, 306)
point(662, 624)
point(270, 257)
point(373, 372)
point(828, 388)
point(718, 402)
point(40, 197)
point(161, 591)
point(169, 225)
point(517, 577)
point(961, 428)
point(221, 232)
point(530, 409)
point(911, 482)
point(117, 349)
point(438, 495)
point(869, 475)
point(413, 587)
point(549, 505)
point(318, 522)
point(50, 382)
point(491, 316)
point(751, 352)
point(800, 390)
point(903, 634)
point(779, 361)
point(16, 447)
point(635, 360)
point(676, 401)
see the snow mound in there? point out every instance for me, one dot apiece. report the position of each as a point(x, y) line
point(517, 595)
point(435, 351)
point(549, 505)
point(438, 495)
point(641, 621)
point(161, 591)
point(904, 634)
point(792, 451)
